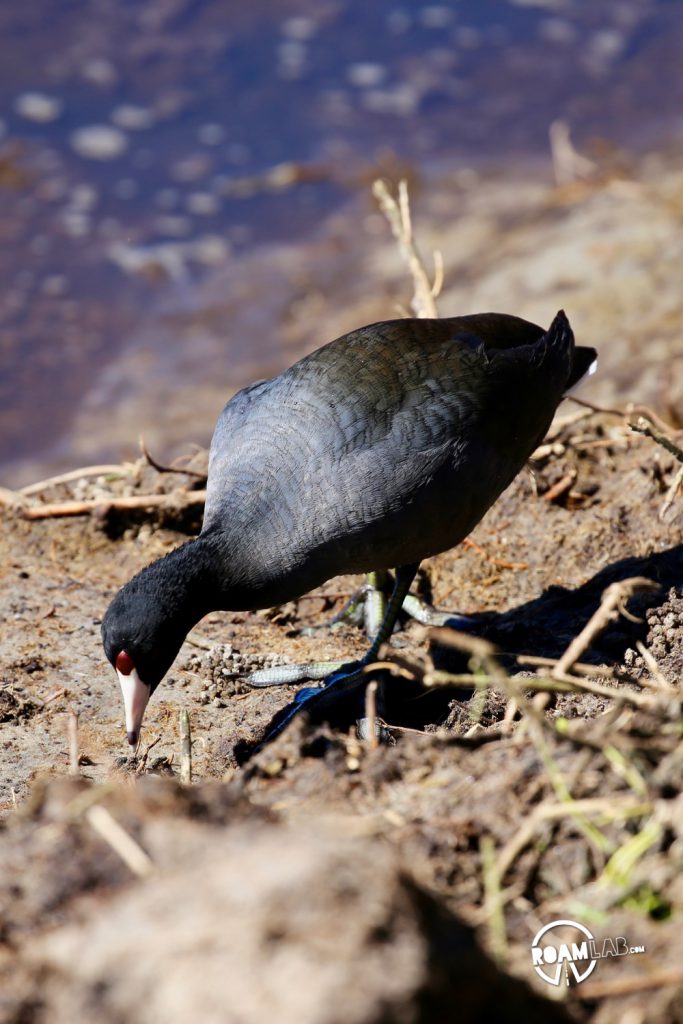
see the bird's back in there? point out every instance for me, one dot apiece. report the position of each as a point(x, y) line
point(383, 447)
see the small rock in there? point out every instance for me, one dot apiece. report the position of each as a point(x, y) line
point(99, 142)
point(38, 107)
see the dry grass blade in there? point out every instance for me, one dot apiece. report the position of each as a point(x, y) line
point(130, 852)
point(658, 681)
point(670, 497)
point(372, 737)
point(607, 808)
point(185, 748)
point(72, 728)
point(493, 912)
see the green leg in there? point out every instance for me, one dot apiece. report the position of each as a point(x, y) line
point(349, 677)
point(285, 674)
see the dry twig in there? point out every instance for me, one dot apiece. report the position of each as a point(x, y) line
point(625, 986)
point(397, 212)
point(568, 164)
point(612, 605)
point(561, 487)
point(160, 468)
point(641, 426)
point(78, 474)
point(174, 500)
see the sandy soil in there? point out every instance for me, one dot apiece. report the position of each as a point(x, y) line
point(321, 880)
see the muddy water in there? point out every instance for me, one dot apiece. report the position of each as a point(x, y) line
point(176, 176)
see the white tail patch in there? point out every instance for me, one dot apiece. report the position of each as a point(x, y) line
point(589, 373)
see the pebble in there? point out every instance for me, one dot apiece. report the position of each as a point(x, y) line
point(99, 142)
point(99, 71)
point(132, 118)
point(38, 107)
point(202, 204)
point(366, 75)
point(211, 134)
point(437, 16)
point(299, 27)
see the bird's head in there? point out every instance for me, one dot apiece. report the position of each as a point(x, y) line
point(141, 637)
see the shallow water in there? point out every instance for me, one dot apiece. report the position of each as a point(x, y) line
point(147, 151)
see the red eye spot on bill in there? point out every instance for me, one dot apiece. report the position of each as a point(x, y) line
point(124, 663)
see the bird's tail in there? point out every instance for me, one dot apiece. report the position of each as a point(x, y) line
point(574, 362)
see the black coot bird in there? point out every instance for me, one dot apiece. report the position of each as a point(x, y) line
point(380, 449)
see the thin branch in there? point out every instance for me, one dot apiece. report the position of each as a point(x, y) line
point(561, 487)
point(626, 986)
point(630, 410)
point(566, 684)
point(612, 603)
point(167, 469)
point(77, 474)
point(437, 286)
point(176, 499)
point(398, 215)
point(641, 426)
point(581, 668)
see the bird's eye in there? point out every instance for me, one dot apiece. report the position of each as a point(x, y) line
point(124, 663)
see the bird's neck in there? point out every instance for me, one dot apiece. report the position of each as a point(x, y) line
point(188, 582)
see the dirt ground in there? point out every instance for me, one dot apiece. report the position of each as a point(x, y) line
point(322, 879)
